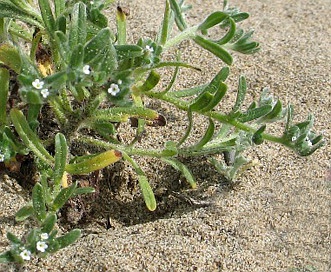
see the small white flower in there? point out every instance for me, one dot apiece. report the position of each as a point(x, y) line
point(309, 143)
point(113, 89)
point(86, 69)
point(26, 255)
point(38, 84)
point(294, 138)
point(44, 93)
point(150, 49)
point(44, 236)
point(119, 82)
point(91, 2)
point(41, 246)
point(2, 157)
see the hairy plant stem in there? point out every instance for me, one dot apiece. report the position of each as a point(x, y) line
point(186, 34)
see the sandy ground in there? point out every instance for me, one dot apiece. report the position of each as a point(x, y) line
point(277, 219)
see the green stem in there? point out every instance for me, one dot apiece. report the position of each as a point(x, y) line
point(186, 34)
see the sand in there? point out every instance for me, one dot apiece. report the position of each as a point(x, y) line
point(277, 219)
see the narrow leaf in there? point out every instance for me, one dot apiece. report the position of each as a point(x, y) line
point(242, 88)
point(10, 56)
point(61, 151)
point(24, 213)
point(47, 15)
point(77, 30)
point(183, 169)
point(38, 202)
point(207, 136)
point(214, 48)
point(49, 223)
point(68, 238)
point(213, 19)
point(29, 138)
point(4, 91)
point(147, 192)
point(63, 197)
point(229, 35)
point(181, 24)
point(254, 113)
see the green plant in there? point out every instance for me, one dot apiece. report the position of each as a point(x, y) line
point(90, 80)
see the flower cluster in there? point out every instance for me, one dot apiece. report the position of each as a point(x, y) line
point(40, 246)
point(39, 84)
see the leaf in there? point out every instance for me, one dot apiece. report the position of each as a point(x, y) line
point(13, 238)
point(96, 45)
point(214, 48)
point(217, 97)
point(38, 202)
point(181, 24)
point(6, 257)
point(151, 81)
point(229, 35)
point(128, 51)
point(12, 11)
point(47, 15)
point(77, 30)
point(10, 56)
point(255, 113)
point(68, 238)
point(213, 19)
point(147, 192)
point(29, 138)
point(94, 163)
point(24, 213)
point(83, 191)
point(165, 28)
point(63, 196)
point(121, 25)
point(60, 157)
point(49, 223)
point(257, 137)
point(183, 169)
point(207, 136)
point(242, 88)
point(4, 91)
point(77, 56)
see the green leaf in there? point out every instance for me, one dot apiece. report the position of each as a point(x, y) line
point(121, 25)
point(217, 97)
point(213, 19)
point(4, 91)
point(257, 137)
point(63, 196)
point(207, 136)
point(229, 35)
point(68, 238)
point(147, 192)
point(165, 29)
point(38, 202)
point(29, 138)
point(183, 169)
point(47, 15)
point(49, 223)
point(77, 56)
point(24, 213)
point(61, 151)
point(242, 88)
point(12, 11)
point(10, 56)
point(180, 21)
point(13, 238)
point(6, 257)
point(255, 113)
point(77, 30)
point(151, 81)
point(214, 48)
point(128, 51)
point(83, 191)
point(96, 45)
point(170, 149)
point(60, 7)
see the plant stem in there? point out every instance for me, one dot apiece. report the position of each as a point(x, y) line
point(186, 34)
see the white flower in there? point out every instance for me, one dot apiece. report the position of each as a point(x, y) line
point(149, 48)
point(26, 255)
point(44, 236)
point(119, 82)
point(113, 89)
point(44, 93)
point(309, 143)
point(38, 84)
point(41, 246)
point(87, 69)
point(294, 138)
point(2, 157)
